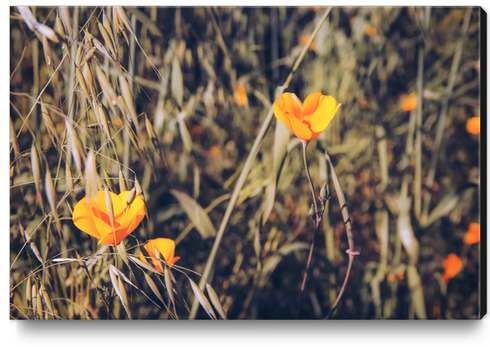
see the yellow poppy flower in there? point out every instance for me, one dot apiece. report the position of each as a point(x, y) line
point(166, 248)
point(94, 219)
point(308, 120)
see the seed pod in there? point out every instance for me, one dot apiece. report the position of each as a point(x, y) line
point(91, 177)
point(122, 183)
point(47, 299)
point(100, 47)
point(107, 39)
point(139, 191)
point(323, 192)
point(51, 194)
point(36, 171)
point(87, 75)
point(128, 100)
point(118, 23)
point(90, 54)
point(131, 196)
point(107, 26)
point(34, 299)
point(168, 284)
point(83, 85)
point(48, 32)
point(110, 207)
point(58, 26)
point(312, 211)
point(28, 17)
point(77, 149)
point(78, 57)
point(102, 118)
point(36, 252)
point(49, 125)
point(106, 86)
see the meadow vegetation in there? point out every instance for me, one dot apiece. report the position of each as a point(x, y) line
point(164, 119)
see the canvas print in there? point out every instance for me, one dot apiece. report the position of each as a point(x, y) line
point(246, 163)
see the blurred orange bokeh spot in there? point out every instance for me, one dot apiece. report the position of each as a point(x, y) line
point(453, 266)
point(215, 151)
point(240, 96)
point(393, 277)
point(473, 125)
point(304, 40)
point(371, 31)
point(473, 234)
point(409, 103)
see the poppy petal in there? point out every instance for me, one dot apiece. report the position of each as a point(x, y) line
point(292, 105)
point(320, 118)
point(166, 247)
point(301, 130)
point(123, 197)
point(281, 114)
point(83, 219)
point(311, 104)
point(172, 261)
point(105, 230)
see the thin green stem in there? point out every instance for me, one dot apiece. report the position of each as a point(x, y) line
point(305, 145)
point(317, 220)
point(348, 229)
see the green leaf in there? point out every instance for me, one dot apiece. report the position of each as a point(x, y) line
point(177, 82)
point(143, 265)
point(447, 203)
point(202, 299)
point(168, 284)
point(154, 288)
point(184, 132)
point(416, 293)
point(215, 300)
point(196, 214)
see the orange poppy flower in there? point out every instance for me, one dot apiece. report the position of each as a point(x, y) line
point(94, 219)
point(473, 125)
point(453, 266)
point(409, 103)
point(473, 234)
point(240, 96)
point(308, 120)
point(166, 248)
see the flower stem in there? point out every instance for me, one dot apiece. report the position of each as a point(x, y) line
point(317, 219)
point(246, 168)
point(305, 144)
point(348, 229)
